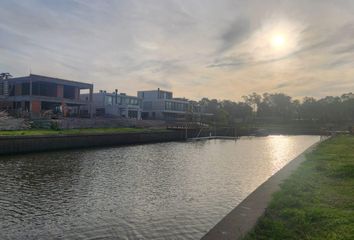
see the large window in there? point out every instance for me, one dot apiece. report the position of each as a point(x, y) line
point(44, 89)
point(69, 92)
point(168, 95)
point(168, 106)
point(25, 89)
point(131, 101)
point(132, 114)
point(108, 100)
point(176, 106)
point(160, 94)
point(2, 88)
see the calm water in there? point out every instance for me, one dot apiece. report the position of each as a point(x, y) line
point(172, 190)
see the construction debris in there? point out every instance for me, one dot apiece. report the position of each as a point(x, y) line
point(8, 122)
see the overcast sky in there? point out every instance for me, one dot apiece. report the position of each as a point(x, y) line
point(215, 48)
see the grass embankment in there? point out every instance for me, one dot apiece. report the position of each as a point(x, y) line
point(317, 201)
point(37, 132)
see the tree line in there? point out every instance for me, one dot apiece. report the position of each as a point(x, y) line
point(279, 107)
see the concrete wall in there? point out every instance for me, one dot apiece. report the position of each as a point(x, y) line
point(71, 123)
point(23, 144)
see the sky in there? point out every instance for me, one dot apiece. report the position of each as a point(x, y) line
point(220, 49)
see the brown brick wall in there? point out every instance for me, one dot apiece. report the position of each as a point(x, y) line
point(36, 106)
point(18, 89)
point(60, 91)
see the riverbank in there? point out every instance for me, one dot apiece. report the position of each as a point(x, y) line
point(39, 140)
point(316, 202)
point(244, 216)
point(51, 132)
point(45, 141)
point(313, 199)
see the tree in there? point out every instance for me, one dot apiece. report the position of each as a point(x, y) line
point(276, 106)
point(253, 100)
point(4, 76)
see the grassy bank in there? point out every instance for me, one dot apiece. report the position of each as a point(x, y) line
point(36, 132)
point(317, 201)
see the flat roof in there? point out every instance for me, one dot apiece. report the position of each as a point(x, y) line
point(112, 94)
point(40, 78)
point(156, 90)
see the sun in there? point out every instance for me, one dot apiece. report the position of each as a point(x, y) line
point(278, 41)
point(275, 39)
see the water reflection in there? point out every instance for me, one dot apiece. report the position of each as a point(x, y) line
point(279, 148)
point(157, 191)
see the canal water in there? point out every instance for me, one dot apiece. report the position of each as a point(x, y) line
point(175, 190)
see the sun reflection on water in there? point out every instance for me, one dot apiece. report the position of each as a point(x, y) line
point(280, 147)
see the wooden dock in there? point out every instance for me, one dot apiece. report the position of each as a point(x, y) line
point(212, 137)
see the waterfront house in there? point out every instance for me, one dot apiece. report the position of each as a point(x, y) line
point(36, 95)
point(161, 105)
point(115, 104)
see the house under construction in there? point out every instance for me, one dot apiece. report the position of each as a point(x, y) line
point(36, 96)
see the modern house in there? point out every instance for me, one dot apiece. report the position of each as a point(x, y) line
point(36, 95)
point(115, 104)
point(159, 104)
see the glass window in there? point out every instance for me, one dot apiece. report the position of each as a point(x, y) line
point(109, 100)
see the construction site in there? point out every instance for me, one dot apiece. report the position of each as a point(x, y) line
point(37, 96)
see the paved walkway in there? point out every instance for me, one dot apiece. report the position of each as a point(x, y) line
point(243, 218)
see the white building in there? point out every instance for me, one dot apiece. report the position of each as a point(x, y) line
point(115, 104)
point(159, 104)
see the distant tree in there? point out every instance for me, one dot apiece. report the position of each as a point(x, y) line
point(222, 117)
point(309, 109)
point(4, 76)
point(296, 109)
point(276, 106)
point(281, 107)
point(211, 106)
point(254, 101)
point(237, 111)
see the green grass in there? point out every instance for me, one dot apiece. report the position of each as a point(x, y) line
point(36, 132)
point(317, 201)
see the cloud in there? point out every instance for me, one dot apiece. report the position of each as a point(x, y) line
point(195, 48)
point(237, 32)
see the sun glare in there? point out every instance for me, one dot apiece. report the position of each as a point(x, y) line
point(278, 41)
point(275, 38)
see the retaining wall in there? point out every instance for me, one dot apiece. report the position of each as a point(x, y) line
point(23, 144)
point(74, 123)
point(244, 217)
